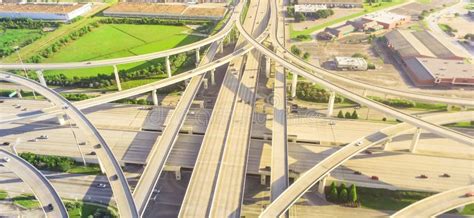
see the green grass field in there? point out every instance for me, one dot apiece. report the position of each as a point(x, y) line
point(3, 195)
point(367, 9)
point(383, 199)
point(27, 201)
point(120, 40)
point(15, 37)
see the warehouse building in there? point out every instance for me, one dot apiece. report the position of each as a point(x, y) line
point(336, 32)
point(44, 11)
point(429, 61)
point(167, 11)
point(309, 8)
point(177, 1)
point(333, 3)
point(350, 63)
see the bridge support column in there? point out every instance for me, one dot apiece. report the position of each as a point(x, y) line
point(102, 169)
point(332, 98)
point(267, 66)
point(168, 66)
point(61, 120)
point(198, 57)
point(322, 185)
point(220, 49)
point(364, 93)
point(18, 93)
point(117, 78)
point(186, 82)
point(213, 77)
point(414, 141)
point(39, 73)
point(205, 83)
point(294, 83)
point(154, 97)
point(386, 143)
point(263, 179)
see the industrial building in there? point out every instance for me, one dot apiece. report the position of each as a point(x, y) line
point(44, 11)
point(386, 19)
point(333, 3)
point(177, 1)
point(336, 32)
point(429, 61)
point(167, 11)
point(350, 63)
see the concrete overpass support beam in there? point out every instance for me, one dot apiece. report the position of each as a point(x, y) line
point(322, 185)
point(414, 141)
point(18, 93)
point(263, 179)
point(205, 83)
point(386, 143)
point(154, 97)
point(213, 77)
point(117, 78)
point(332, 98)
point(168, 66)
point(40, 75)
point(177, 174)
point(61, 120)
point(294, 83)
point(267, 67)
point(364, 93)
point(102, 169)
point(198, 57)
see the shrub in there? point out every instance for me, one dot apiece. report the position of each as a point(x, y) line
point(354, 115)
point(343, 195)
point(340, 115)
point(348, 115)
point(353, 194)
point(333, 194)
point(359, 55)
point(303, 37)
point(371, 66)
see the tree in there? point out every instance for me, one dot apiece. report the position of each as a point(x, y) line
point(299, 17)
point(354, 115)
point(348, 115)
point(353, 194)
point(306, 55)
point(343, 195)
point(333, 194)
point(295, 50)
point(290, 11)
point(340, 115)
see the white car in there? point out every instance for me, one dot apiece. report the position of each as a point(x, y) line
point(6, 159)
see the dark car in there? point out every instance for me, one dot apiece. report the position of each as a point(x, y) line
point(423, 176)
point(445, 175)
point(357, 173)
point(49, 207)
point(374, 178)
point(6, 143)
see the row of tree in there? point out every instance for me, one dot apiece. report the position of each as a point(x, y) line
point(309, 92)
point(297, 51)
point(26, 23)
point(47, 162)
point(342, 194)
point(155, 21)
point(348, 115)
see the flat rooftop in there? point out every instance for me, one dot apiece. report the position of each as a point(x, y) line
point(309, 8)
point(385, 17)
point(40, 7)
point(440, 68)
point(330, 1)
point(351, 61)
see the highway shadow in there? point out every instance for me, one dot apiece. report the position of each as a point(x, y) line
point(98, 191)
point(31, 127)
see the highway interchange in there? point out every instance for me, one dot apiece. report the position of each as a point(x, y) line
point(219, 174)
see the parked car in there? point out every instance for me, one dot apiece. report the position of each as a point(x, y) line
point(374, 178)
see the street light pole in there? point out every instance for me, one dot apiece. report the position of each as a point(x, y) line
point(24, 68)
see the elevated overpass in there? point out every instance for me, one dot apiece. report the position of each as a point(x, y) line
point(41, 187)
point(438, 204)
point(316, 173)
point(161, 149)
point(445, 132)
point(107, 160)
